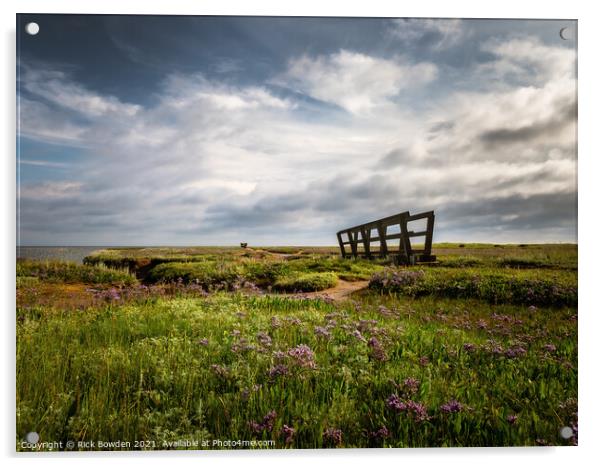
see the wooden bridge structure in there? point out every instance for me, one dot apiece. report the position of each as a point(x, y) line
point(358, 241)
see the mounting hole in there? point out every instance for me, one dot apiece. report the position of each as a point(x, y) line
point(32, 28)
point(566, 432)
point(32, 437)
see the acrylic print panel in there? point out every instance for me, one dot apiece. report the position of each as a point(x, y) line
point(181, 184)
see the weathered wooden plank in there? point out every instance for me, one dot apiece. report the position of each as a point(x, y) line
point(405, 253)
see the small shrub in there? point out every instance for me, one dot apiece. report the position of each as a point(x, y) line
point(70, 272)
point(315, 281)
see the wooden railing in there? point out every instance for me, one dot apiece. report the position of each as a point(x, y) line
point(357, 241)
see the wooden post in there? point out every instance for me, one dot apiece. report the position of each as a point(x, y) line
point(404, 241)
point(428, 241)
point(366, 240)
point(341, 245)
point(382, 233)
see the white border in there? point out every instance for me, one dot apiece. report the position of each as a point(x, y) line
point(589, 239)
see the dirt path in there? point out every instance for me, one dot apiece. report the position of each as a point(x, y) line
point(337, 293)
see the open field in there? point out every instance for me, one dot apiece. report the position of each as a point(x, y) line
point(294, 345)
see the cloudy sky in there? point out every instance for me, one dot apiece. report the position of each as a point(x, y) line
point(215, 130)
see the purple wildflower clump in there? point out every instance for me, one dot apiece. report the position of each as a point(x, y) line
point(288, 433)
point(278, 370)
point(549, 348)
point(303, 356)
point(515, 352)
point(266, 424)
point(381, 433)
point(357, 334)
point(424, 361)
point(333, 436)
point(394, 279)
point(275, 322)
point(376, 349)
point(395, 403)
point(386, 312)
point(414, 409)
point(203, 342)
point(452, 406)
point(469, 347)
point(365, 325)
point(264, 339)
point(417, 411)
point(411, 385)
point(511, 419)
point(220, 370)
point(322, 332)
point(241, 345)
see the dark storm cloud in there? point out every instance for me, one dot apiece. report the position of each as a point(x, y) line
point(564, 115)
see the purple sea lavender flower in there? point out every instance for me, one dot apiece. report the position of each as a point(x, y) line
point(469, 347)
point(512, 418)
point(417, 411)
point(411, 385)
point(365, 325)
point(381, 433)
point(220, 370)
point(277, 371)
point(333, 436)
point(322, 332)
point(550, 348)
point(266, 424)
point(288, 433)
point(357, 334)
point(275, 322)
point(303, 356)
point(515, 352)
point(376, 349)
point(395, 403)
point(452, 406)
point(264, 339)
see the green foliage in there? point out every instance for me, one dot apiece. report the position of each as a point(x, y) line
point(495, 286)
point(69, 272)
point(200, 368)
point(313, 281)
point(208, 273)
point(475, 328)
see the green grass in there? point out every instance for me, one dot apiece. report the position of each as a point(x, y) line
point(313, 281)
point(69, 272)
point(529, 287)
point(494, 328)
point(146, 372)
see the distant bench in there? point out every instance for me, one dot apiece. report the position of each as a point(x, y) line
point(357, 241)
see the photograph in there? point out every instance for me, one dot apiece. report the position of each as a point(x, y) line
point(295, 232)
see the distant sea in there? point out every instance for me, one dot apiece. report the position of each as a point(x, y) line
point(66, 253)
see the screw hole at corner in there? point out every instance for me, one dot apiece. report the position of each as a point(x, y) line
point(32, 28)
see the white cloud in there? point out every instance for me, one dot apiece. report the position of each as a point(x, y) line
point(54, 86)
point(529, 60)
point(437, 33)
point(356, 82)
